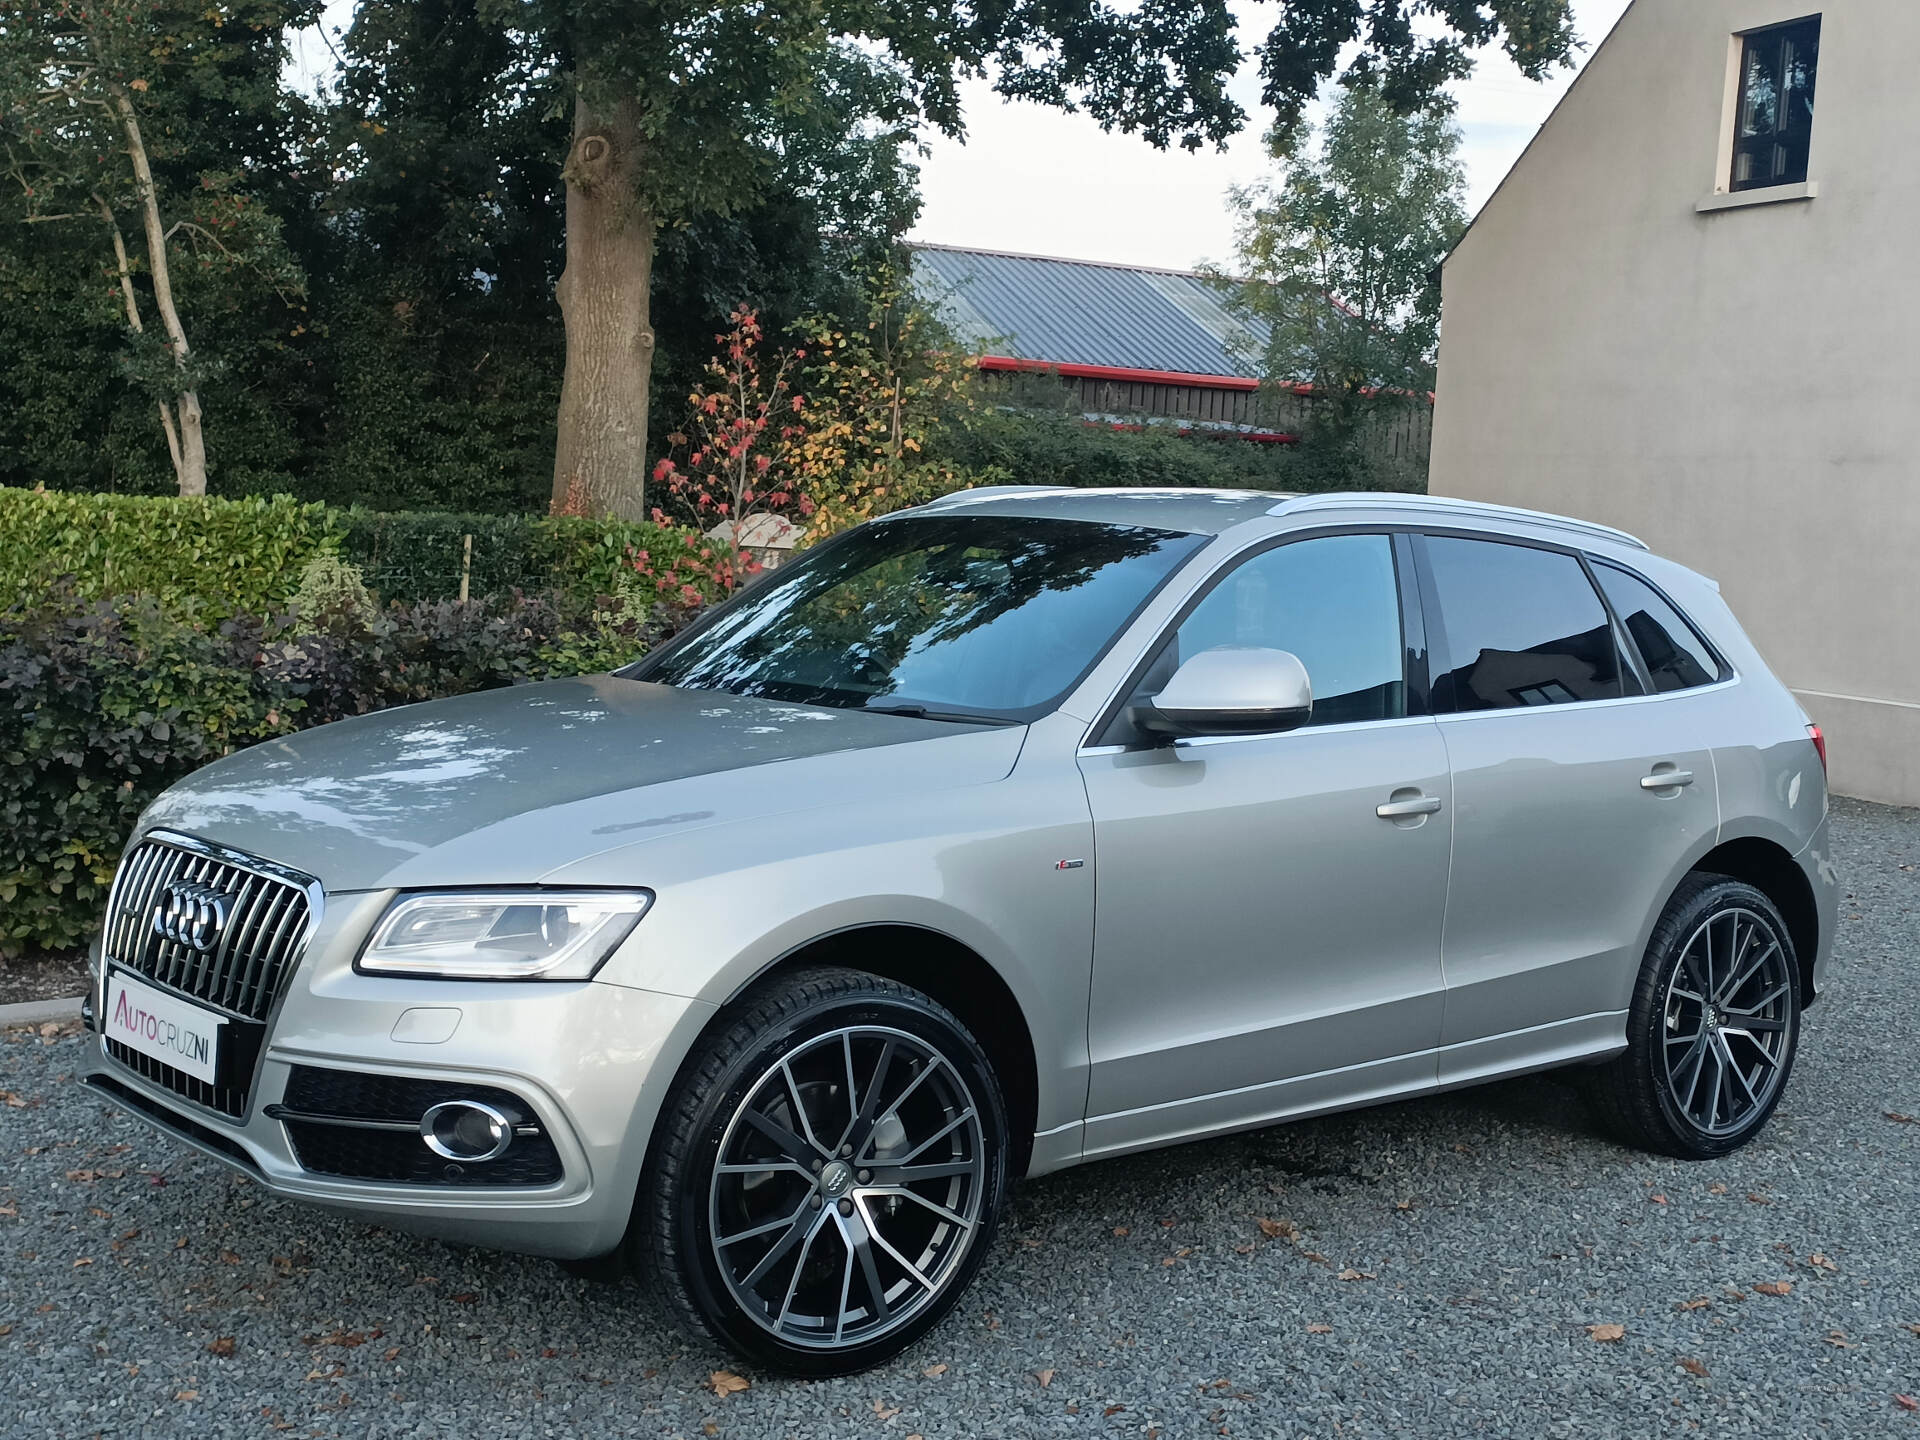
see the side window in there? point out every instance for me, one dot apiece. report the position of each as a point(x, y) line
point(1521, 627)
point(1677, 658)
point(1333, 602)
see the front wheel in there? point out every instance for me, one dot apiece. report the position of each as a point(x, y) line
point(828, 1173)
point(1713, 1027)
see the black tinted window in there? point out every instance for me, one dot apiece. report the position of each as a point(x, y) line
point(1521, 627)
point(1676, 657)
point(1334, 603)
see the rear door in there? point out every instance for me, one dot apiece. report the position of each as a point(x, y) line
point(1576, 795)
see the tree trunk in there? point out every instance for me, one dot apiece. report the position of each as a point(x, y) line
point(191, 452)
point(132, 299)
point(600, 460)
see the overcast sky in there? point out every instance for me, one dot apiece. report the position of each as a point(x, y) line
point(1031, 179)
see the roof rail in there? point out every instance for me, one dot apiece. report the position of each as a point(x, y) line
point(1446, 505)
point(994, 492)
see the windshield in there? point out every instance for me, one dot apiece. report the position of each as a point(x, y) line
point(988, 616)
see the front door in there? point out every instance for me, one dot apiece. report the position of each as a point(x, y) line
point(1266, 940)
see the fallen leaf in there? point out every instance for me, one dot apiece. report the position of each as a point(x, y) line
point(227, 1257)
point(1658, 1199)
point(1316, 1257)
point(1838, 1339)
point(1045, 1377)
point(933, 1372)
point(1279, 1229)
point(883, 1411)
point(186, 1395)
point(345, 1339)
point(465, 1297)
point(1758, 1200)
point(223, 1347)
point(1716, 1188)
point(1699, 1302)
point(1775, 1287)
point(1243, 1249)
point(1693, 1366)
point(1122, 1231)
point(84, 1260)
point(137, 84)
point(98, 1213)
point(1606, 1334)
point(725, 1383)
point(1113, 1410)
point(1821, 1262)
point(1897, 1117)
point(6, 1329)
point(1355, 1275)
point(1915, 1328)
point(1906, 1402)
point(392, 1354)
point(11, 1100)
point(1319, 1329)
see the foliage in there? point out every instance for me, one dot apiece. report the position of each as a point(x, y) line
point(876, 394)
point(737, 429)
point(332, 586)
point(208, 558)
point(104, 704)
point(1037, 448)
point(1341, 263)
point(129, 125)
point(1362, 220)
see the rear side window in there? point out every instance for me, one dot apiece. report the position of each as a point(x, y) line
point(1675, 655)
point(1521, 627)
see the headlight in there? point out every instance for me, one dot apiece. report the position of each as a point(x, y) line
point(503, 935)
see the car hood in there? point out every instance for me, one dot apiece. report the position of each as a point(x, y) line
point(506, 786)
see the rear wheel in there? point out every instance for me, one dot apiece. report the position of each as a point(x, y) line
point(1713, 1028)
point(828, 1173)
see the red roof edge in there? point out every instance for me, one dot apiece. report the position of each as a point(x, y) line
point(1120, 373)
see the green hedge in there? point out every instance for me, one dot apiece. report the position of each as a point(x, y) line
point(1047, 449)
point(419, 555)
point(209, 558)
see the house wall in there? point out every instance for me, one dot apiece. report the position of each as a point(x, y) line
point(1737, 386)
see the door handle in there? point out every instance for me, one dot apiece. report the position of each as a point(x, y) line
point(1409, 809)
point(1666, 780)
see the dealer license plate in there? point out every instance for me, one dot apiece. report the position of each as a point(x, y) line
point(173, 1031)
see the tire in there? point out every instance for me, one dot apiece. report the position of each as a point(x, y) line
point(1713, 1027)
point(780, 1211)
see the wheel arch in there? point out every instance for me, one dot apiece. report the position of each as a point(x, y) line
point(1770, 869)
point(954, 975)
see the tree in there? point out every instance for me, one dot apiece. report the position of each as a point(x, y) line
point(1340, 261)
point(79, 86)
point(676, 105)
point(440, 348)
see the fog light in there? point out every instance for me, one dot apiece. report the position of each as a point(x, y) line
point(466, 1130)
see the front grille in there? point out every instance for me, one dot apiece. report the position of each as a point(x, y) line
point(266, 923)
point(330, 1115)
point(230, 1100)
point(269, 914)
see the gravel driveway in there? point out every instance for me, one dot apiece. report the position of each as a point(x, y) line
point(1429, 1268)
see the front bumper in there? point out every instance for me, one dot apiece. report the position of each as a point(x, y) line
point(590, 1063)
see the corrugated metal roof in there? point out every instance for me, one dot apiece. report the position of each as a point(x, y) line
point(1083, 312)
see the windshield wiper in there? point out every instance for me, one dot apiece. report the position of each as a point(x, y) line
point(921, 712)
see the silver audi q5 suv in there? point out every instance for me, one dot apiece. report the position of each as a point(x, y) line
point(1023, 829)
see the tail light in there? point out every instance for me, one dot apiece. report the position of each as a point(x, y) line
point(1815, 734)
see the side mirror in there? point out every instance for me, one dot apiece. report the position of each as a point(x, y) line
point(1230, 692)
